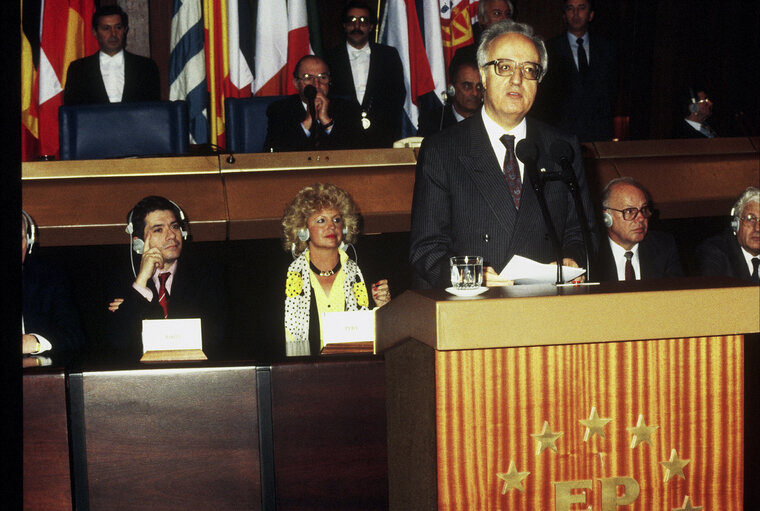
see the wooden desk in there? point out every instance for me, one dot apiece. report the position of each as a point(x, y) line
point(86, 202)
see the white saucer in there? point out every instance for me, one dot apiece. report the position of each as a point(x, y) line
point(467, 292)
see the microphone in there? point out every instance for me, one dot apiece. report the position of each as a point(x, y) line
point(562, 153)
point(527, 152)
point(310, 93)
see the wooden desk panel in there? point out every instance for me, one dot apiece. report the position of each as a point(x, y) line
point(330, 435)
point(47, 481)
point(260, 186)
point(172, 439)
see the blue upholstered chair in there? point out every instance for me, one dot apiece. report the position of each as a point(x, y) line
point(118, 130)
point(246, 123)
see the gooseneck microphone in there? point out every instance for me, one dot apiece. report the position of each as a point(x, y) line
point(562, 153)
point(310, 93)
point(527, 152)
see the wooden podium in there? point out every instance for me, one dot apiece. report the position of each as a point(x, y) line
point(596, 397)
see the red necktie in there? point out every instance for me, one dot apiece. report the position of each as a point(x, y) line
point(163, 297)
point(511, 170)
point(629, 273)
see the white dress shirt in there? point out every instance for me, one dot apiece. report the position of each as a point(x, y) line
point(112, 70)
point(359, 60)
point(494, 136)
point(618, 254)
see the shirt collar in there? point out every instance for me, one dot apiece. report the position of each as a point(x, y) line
point(495, 131)
point(573, 40)
point(117, 59)
point(356, 51)
point(618, 252)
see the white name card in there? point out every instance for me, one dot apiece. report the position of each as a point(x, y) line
point(351, 326)
point(171, 334)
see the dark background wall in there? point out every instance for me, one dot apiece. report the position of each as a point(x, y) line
point(664, 48)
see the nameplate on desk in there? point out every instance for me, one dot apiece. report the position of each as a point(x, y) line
point(348, 332)
point(172, 339)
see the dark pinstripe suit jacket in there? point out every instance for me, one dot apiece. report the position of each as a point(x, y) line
point(462, 205)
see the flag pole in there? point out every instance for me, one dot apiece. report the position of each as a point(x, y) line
point(377, 29)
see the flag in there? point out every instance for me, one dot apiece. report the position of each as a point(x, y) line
point(457, 17)
point(228, 72)
point(65, 35)
point(401, 30)
point(298, 39)
point(187, 66)
point(434, 44)
point(271, 49)
point(30, 56)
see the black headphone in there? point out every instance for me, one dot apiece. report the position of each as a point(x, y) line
point(138, 244)
point(303, 233)
point(31, 231)
point(734, 220)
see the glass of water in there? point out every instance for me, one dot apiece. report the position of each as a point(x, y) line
point(466, 272)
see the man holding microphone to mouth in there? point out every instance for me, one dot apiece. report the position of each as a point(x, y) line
point(164, 286)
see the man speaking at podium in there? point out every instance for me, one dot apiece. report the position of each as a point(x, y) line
point(167, 284)
point(472, 196)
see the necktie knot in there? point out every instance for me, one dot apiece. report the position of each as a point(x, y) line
point(628, 255)
point(580, 41)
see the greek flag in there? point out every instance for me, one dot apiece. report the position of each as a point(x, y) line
point(187, 66)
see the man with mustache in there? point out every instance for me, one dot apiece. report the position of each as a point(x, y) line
point(167, 284)
point(632, 251)
point(112, 75)
point(369, 74)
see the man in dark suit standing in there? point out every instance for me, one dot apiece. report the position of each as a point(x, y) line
point(581, 86)
point(50, 323)
point(465, 101)
point(472, 196)
point(632, 251)
point(166, 285)
point(112, 75)
point(736, 253)
point(290, 126)
point(369, 74)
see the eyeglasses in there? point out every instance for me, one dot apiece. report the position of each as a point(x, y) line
point(363, 20)
point(321, 78)
point(750, 219)
point(632, 213)
point(506, 67)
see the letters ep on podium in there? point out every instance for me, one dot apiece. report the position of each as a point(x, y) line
point(348, 332)
point(167, 340)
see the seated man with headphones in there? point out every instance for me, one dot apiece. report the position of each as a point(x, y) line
point(632, 251)
point(49, 323)
point(694, 125)
point(736, 253)
point(168, 283)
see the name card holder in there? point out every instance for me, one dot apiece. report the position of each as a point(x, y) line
point(348, 332)
point(171, 340)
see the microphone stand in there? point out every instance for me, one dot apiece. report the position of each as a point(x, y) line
point(527, 152)
point(563, 154)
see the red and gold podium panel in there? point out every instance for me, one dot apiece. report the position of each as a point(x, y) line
point(607, 424)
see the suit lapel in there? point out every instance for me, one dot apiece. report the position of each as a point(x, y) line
point(647, 255)
point(374, 70)
point(97, 79)
point(343, 73)
point(480, 165)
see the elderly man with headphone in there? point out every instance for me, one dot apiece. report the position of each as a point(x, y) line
point(167, 283)
point(736, 252)
point(50, 327)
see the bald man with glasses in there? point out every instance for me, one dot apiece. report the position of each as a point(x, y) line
point(631, 251)
point(336, 123)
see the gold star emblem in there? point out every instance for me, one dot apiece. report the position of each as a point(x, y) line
point(674, 466)
point(594, 425)
point(641, 432)
point(546, 439)
point(513, 478)
point(687, 505)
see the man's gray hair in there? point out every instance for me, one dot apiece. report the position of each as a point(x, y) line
point(482, 9)
point(751, 194)
point(511, 27)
